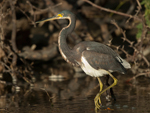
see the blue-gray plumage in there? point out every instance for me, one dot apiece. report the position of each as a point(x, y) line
point(99, 56)
point(94, 58)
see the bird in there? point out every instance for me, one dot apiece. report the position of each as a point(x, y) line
point(94, 58)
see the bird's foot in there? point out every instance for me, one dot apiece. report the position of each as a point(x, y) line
point(97, 101)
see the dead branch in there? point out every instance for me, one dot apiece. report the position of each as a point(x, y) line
point(45, 54)
point(42, 11)
point(13, 36)
point(112, 11)
point(131, 43)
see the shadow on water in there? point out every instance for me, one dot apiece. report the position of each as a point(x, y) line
point(74, 95)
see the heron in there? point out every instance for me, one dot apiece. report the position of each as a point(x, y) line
point(94, 58)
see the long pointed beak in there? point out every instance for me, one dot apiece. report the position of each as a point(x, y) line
point(48, 19)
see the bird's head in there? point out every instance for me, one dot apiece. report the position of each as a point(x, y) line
point(61, 15)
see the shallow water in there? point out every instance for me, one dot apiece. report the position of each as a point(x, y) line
point(76, 96)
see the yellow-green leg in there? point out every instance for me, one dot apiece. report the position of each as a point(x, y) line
point(100, 84)
point(97, 99)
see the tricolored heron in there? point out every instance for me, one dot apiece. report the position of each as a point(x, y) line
point(94, 58)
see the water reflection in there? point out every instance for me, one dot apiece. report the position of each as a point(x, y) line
point(74, 95)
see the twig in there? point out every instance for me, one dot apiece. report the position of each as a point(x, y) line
point(26, 15)
point(6, 83)
point(13, 35)
point(140, 74)
point(112, 11)
point(41, 11)
point(26, 79)
point(47, 94)
point(131, 43)
point(139, 4)
point(46, 54)
point(46, 10)
point(137, 11)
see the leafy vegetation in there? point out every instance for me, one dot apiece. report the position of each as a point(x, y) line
point(146, 4)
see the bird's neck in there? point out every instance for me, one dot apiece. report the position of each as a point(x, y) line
point(65, 51)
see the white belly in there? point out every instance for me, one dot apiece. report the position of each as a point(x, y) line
point(89, 70)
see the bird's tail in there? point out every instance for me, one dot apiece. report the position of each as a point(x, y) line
point(125, 64)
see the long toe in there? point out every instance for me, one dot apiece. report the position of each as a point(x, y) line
point(97, 101)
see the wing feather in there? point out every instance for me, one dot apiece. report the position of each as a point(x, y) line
point(102, 61)
point(102, 49)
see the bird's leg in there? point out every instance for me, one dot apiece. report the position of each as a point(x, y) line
point(97, 99)
point(115, 82)
point(109, 93)
point(100, 84)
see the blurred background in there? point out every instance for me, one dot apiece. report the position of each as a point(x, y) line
point(35, 78)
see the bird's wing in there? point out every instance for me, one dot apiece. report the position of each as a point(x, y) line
point(101, 48)
point(98, 47)
point(102, 61)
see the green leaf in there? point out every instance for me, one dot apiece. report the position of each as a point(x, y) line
point(139, 26)
point(139, 34)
